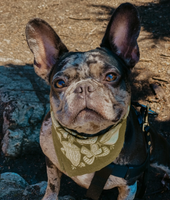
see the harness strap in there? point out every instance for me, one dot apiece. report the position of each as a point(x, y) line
point(131, 171)
point(143, 187)
point(122, 171)
point(98, 183)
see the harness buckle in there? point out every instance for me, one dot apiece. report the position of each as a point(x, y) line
point(145, 119)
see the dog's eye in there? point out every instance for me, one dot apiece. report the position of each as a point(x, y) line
point(111, 77)
point(59, 84)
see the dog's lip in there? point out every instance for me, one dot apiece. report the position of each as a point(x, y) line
point(94, 112)
point(89, 110)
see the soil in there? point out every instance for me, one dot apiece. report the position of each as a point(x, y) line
point(81, 25)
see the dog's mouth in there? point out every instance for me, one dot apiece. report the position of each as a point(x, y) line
point(92, 115)
point(89, 121)
point(88, 113)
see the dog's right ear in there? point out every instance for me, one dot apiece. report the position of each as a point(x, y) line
point(45, 44)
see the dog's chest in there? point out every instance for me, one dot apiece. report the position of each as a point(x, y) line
point(47, 146)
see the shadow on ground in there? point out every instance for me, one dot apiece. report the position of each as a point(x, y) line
point(155, 17)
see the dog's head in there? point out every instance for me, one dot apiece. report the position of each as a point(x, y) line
point(89, 90)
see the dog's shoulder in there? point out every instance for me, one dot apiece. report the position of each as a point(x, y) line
point(46, 125)
point(46, 140)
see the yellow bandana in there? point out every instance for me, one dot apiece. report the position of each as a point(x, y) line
point(82, 156)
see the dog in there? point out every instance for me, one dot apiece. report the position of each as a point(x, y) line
point(90, 95)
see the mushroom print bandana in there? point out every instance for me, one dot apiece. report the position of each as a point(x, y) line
point(78, 156)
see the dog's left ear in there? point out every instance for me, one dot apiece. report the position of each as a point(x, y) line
point(122, 33)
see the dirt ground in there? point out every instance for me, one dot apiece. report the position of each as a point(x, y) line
point(81, 25)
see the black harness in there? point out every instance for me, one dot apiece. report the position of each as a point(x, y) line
point(125, 171)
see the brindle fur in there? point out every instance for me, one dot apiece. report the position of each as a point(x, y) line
point(88, 103)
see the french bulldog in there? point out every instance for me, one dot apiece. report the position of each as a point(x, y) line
point(90, 91)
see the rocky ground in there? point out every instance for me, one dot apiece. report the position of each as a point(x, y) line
point(24, 97)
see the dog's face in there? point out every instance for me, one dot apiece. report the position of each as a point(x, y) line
point(89, 90)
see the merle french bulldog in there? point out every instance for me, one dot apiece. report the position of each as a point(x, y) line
point(90, 91)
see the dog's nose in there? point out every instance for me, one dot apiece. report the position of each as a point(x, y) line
point(85, 88)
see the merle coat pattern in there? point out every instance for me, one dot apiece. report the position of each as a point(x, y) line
point(90, 91)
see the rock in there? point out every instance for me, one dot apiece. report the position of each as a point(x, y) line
point(14, 178)
point(37, 189)
point(21, 128)
point(158, 90)
point(11, 184)
point(11, 143)
point(24, 100)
